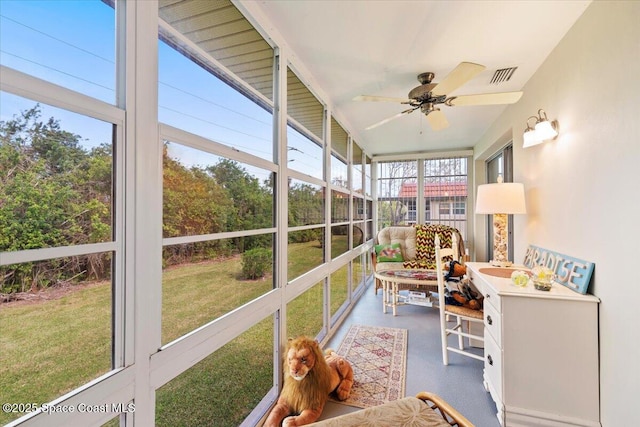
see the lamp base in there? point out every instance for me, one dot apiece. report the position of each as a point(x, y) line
point(503, 264)
point(500, 241)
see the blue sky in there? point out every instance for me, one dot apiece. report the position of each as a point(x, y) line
point(72, 44)
point(36, 38)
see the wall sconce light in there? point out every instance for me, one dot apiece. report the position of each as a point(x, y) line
point(543, 130)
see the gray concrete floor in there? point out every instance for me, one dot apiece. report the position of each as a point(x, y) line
point(459, 383)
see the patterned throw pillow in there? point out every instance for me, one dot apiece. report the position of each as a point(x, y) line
point(425, 245)
point(389, 253)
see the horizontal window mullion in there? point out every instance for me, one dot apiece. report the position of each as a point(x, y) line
point(198, 142)
point(39, 90)
point(215, 236)
point(306, 178)
point(8, 258)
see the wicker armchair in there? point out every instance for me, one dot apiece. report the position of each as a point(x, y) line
point(424, 410)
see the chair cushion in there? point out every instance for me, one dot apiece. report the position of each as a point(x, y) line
point(390, 252)
point(425, 245)
point(409, 411)
point(402, 234)
point(383, 266)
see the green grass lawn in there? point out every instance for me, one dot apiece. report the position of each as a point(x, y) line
point(51, 347)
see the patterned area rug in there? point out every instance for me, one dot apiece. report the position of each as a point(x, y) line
point(379, 359)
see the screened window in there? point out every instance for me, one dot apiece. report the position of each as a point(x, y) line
point(445, 184)
point(305, 313)
point(57, 192)
point(306, 203)
point(339, 141)
point(339, 295)
point(358, 208)
point(367, 176)
point(339, 240)
point(339, 177)
point(445, 191)
point(397, 192)
point(205, 193)
point(304, 154)
point(305, 251)
point(339, 206)
point(61, 187)
point(209, 381)
point(213, 196)
point(205, 280)
point(71, 44)
point(357, 271)
point(192, 98)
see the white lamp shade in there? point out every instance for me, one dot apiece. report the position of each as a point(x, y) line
point(545, 131)
point(501, 198)
point(530, 138)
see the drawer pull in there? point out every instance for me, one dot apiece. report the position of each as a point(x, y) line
point(489, 319)
point(487, 296)
point(490, 359)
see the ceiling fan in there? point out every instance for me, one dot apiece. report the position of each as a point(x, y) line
point(428, 95)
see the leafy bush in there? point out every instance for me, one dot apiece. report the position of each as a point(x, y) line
point(256, 263)
point(303, 236)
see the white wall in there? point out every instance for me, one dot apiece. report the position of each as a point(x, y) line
point(582, 189)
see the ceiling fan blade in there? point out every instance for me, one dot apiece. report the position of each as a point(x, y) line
point(388, 119)
point(464, 72)
point(381, 99)
point(485, 99)
point(437, 120)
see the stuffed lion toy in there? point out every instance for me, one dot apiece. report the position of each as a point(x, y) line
point(309, 378)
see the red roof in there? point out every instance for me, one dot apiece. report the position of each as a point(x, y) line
point(410, 189)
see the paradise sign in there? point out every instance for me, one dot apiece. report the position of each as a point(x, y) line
point(571, 272)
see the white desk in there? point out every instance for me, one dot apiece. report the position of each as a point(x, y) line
point(541, 352)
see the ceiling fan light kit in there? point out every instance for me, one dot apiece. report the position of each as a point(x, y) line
point(542, 130)
point(428, 95)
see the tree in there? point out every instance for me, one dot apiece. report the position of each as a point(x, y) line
point(48, 200)
point(306, 207)
point(193, 204)
point(252, 202)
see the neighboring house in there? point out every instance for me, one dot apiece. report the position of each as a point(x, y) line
point(444, 203)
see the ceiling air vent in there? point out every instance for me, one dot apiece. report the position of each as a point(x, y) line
point(503, 75)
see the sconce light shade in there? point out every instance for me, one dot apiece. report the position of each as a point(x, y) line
point(543, 130)
point(501, 198)
point(530, 138)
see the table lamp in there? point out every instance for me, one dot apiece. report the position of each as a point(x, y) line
point(500, 199)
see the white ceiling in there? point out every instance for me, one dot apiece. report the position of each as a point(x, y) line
point(379, 47)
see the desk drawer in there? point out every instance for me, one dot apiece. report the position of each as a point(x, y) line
point(491, 297)
point(493, 323)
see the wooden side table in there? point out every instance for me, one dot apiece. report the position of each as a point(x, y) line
point(394, 281)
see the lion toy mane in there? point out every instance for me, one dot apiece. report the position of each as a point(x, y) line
point(309, 378)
